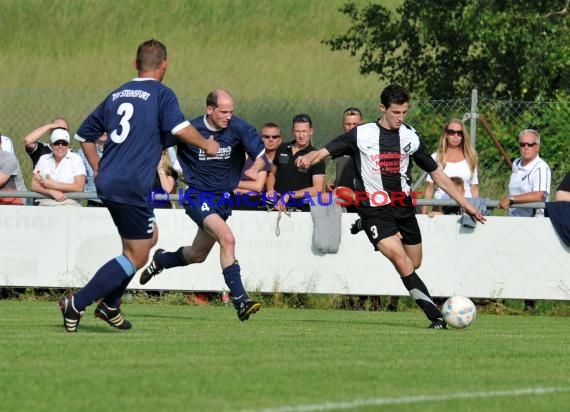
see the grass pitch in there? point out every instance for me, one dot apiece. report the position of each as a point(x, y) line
point(193, 358)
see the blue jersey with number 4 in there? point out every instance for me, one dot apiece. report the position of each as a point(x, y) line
point(138, 117)
point(220, 173)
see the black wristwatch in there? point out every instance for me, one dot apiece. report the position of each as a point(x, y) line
point(511, 200)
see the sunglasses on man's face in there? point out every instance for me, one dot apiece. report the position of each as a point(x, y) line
point(525, 144)
point(61, 143)
point(269, 136)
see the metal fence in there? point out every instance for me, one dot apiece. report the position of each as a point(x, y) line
point(23, 110)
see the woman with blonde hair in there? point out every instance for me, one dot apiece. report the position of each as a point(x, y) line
point(456, 156)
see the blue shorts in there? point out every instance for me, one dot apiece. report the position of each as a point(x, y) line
point(199, 205)
point(133, 222)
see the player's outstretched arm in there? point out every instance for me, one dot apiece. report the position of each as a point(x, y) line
point(443, 181)
point(191, 136)
point(312, 158)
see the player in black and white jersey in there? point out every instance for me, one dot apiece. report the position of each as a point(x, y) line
point(383, 152)
point(138, 117)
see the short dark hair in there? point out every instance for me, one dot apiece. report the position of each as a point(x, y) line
point(271, 124)
point(212, 99)
point(214, 96)
point(150, 55)
point(352, 111)
point(302, 118)
point(394, 93)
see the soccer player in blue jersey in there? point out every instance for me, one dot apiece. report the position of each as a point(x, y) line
point(138, 117)
point(382, 153)
point(209, 197)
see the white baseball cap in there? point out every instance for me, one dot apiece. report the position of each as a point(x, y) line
point(60, 134)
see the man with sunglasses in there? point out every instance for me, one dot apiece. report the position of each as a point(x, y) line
point(530, 178)
point(59, 172)
point(529, 182)
point(271, 136)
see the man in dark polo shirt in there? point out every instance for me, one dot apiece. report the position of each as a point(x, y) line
point(292, 185)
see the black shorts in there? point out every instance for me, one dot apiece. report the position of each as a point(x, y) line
point(385, 221)
point(133, 222)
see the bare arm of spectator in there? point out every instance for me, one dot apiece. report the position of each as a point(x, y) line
point(89, 149)
point(39, 188)
point(167, 182)
point(78, 184)
point(529, 197)
point(563, 189)
point(256, 185)
point(562, 196)
point(256, 167)
point(270, 182)
point(30, 141)
point(475, 190)
point(428, 194)
point(4, 177)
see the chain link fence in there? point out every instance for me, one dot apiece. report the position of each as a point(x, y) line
point(24, 110)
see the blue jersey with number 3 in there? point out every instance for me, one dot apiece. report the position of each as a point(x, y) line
point(138, 117)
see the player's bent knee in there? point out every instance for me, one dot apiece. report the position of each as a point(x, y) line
point(196, 257)
point(228, 241)
point(403, 265)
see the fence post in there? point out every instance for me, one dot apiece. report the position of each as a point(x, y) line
point(473, 116)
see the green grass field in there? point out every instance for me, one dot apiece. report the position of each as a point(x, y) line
point(192, 358)
point(269, 49)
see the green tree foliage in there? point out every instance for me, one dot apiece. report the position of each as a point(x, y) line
point(444, 48)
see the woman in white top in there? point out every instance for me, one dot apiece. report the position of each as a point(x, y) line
point(456, 156)
point(59, 172)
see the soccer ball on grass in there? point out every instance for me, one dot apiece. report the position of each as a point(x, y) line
point(459, 312)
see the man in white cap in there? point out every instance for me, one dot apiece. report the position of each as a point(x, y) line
point(59, 172)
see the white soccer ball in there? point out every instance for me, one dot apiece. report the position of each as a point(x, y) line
point(459, 311)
